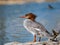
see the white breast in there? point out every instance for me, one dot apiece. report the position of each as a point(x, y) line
point(28, 24)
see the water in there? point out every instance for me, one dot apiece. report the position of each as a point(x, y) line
point(11, 28)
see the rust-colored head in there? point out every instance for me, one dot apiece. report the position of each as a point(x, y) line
point(30, 16)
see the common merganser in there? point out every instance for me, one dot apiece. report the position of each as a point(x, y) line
point(34, 27)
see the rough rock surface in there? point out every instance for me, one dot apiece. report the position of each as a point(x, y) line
point(34, 43)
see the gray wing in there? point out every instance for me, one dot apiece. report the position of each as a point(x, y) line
point(39, 27)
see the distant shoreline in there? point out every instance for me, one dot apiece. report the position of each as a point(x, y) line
point(23, 2)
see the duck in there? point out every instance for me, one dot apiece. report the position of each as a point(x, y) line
point(50, 7)
point(34, 27)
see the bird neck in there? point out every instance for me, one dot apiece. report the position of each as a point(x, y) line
point(32, 19)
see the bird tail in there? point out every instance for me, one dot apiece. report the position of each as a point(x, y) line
point(55, 33)
point(49, 33)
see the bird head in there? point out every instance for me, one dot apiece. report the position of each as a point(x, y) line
point(30, 16)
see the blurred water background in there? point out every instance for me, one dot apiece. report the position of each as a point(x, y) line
point(11, 26)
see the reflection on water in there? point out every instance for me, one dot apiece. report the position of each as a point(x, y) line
point(11, 26)
point(2, 30)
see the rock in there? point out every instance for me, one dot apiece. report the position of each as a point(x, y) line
point(34, 43)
